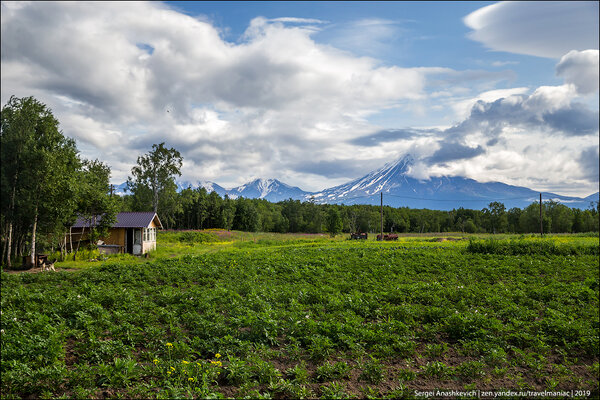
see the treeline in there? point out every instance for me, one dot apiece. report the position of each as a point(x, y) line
point(198, 209)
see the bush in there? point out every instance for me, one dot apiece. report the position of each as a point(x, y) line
point(191, 237)
point(529, 247)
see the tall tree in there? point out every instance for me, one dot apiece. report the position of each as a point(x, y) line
point(333, 222)
point(154, 178)
point(95, 205)
point(246, 217)
point(496, 217)
point(39, 166)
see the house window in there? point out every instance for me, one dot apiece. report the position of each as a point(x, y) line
point(149, 234)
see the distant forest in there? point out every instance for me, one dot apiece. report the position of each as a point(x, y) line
point(198, 209)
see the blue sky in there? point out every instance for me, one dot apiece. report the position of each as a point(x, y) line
point(301, 91)
point(419, 34)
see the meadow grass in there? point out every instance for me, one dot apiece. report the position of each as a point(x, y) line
point(304, 316)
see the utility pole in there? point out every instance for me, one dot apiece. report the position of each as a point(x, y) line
point(111, 189)
point(381, 216)
point(541, 220)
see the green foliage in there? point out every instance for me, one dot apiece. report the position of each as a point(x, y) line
point(437, 369)
point(333, 221)
point(330, 372)
point(94, 204)
point(529, 247)
point(334, 390)
point(470, 370)
point(198, 209)
point(192, 238)
point(371, 371)
point(153, 183)
point(246, 217)
point(299, 373)
point(276, 320)
point(38, 173)
point(406, 375)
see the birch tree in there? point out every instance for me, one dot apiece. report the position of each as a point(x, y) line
point(153, 179)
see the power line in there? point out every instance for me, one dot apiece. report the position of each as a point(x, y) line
point(371, 196)
point(422, 198)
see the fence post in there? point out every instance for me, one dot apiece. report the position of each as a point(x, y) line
point(541, 220)
point(381, 216)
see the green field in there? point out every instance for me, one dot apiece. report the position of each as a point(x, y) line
point(230, 314)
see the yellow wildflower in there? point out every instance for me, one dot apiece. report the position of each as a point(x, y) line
point(191, 379)
point(185, 362)
point(217, 355)
point(155, 361)
point(168, 372)
point(172, 369)
point(169, 344)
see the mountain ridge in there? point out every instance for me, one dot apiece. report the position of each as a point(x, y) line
point(398, 188)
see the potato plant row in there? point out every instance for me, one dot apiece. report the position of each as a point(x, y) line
point(330, 319)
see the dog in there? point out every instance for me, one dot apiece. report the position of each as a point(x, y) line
point(48, 267)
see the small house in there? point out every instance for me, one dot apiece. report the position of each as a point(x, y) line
point(133, 233)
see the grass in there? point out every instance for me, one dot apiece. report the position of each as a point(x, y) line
point(305, 316)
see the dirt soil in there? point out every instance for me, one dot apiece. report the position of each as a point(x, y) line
point(37, 270)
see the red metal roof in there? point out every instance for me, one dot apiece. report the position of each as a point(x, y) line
point(126, 220)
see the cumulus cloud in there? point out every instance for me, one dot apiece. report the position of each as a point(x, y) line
point(580, 68)
point(543, 29)
point(463, 107)
point(391, 135)
point(546, 109)
point(171, 77)
point(588, 161)
point(452, 151)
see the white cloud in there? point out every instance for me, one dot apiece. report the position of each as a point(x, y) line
point(547, 99)
point(463, 108)
point(546, 140)
point(580, 68)
point(370, 37)
point(503, 63)
point(294, 20)
point(133, 74)
point(543, 29)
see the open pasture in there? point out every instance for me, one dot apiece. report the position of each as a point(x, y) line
point(280, 316)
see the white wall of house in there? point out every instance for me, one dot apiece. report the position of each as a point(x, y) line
point(148, 239)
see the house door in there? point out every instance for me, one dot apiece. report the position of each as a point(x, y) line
point(129, 241)
point(137, 242)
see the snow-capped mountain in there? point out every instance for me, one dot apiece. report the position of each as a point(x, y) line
point(268, 189)
point(398, 188)
point(121, 189)
point(212, 187)
point(386, 179)
point(438, 193)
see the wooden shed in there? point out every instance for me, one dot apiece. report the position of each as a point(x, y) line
point(133, 232)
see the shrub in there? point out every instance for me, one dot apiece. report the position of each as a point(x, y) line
point(372, 371)
point(331, 372)
point(529, 247)
point(191, 237)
